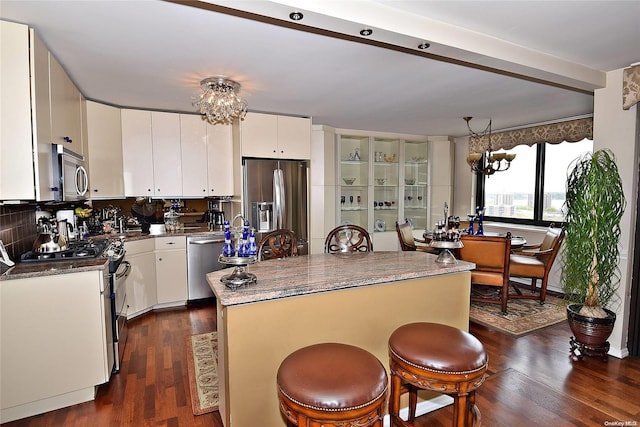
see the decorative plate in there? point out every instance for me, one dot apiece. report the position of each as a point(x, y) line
point(380, 225)
point(347, 222)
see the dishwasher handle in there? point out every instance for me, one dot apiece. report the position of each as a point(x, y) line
point(204, 242)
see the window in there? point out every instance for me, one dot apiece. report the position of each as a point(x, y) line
point(532, 191)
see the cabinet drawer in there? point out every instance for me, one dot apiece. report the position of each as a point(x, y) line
point(139, 246)
point(172, 242)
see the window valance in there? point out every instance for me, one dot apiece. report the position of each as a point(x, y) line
point(554, 133)
point(630, 87)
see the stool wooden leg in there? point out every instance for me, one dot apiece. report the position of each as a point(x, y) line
point(394, 398)
point(413, 402)
point(471, 404)
point(460, 408)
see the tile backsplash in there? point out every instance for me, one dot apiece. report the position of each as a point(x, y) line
point(17, 229)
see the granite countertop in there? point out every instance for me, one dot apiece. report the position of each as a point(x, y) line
point(282, 278)
point(33, 269)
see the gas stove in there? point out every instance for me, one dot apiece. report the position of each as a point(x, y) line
point(80, 249)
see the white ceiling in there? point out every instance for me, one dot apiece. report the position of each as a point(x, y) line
point(152, 54)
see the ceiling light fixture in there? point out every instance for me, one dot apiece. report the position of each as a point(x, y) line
point(424, 45)
point(296, 16)
point(219, 102)
point(487, 163)
point(366, 32)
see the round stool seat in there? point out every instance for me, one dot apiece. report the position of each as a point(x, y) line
point(431, 356)
point(440, 348)
point(332, 381)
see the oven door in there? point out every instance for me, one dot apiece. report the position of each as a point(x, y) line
point(120, 311)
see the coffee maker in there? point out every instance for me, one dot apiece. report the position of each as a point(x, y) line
point(215, 215)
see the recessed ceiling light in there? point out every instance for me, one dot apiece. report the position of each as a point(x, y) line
point(424, 45)
point(296, 16)
point(366, 32)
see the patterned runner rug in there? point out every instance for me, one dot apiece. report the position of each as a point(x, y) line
point(523, 315)
point(202, 363)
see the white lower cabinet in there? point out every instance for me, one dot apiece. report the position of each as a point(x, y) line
point(171, 270)
point(53, 347)
point(158, 276)
point(141, 282)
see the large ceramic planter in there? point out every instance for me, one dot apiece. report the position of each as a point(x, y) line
point(590, 334)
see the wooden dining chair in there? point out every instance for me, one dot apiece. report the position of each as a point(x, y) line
point(347, 239)
point(491, 256)
point(408, 242)
point(535, 261)
point(278, 244)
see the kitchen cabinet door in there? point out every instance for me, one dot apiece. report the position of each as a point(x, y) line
point(104, 151)
point(137, 153)
point(294, 137)
point(259, 135)
point(220, 160)
point(273, 136)
point(24, 65)
point(171, 270)
point(141, 283)
point(167, 163)
point(193, 144)
point(66, 112)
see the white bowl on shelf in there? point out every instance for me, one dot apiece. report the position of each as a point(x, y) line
point(349, 181)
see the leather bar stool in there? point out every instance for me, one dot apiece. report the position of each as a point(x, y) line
point(332, 384)
point(430, 356)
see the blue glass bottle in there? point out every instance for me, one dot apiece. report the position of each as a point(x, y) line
point(253, 248)
point(480, 231)
point(227, 248)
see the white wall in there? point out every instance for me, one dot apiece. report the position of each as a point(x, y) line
point(617, 129)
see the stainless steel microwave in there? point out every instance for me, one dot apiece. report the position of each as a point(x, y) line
point(70, 176)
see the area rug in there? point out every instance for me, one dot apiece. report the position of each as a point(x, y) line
point(202, 364)
point(523, 315)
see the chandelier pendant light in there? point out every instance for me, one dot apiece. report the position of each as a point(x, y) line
point(487, 163)
point(219, 102)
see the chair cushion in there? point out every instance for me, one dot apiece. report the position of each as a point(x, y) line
point(438, 347)
point(528, 266)
point(332, 376)
point(487, 278)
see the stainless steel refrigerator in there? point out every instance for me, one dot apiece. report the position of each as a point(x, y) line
point(276, 194)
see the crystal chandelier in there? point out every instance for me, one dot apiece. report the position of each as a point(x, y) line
point(489, 162)
point(219, 102)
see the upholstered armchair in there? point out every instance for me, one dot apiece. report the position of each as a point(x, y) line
point(535, 261)
point(410, 243)
point(491, 256)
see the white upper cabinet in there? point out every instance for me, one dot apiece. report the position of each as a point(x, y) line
point(167, 163)
point(207, 157)
point(137, 153)
point(273, 136)
point(104, 151)
point(151, 154)
point(66, 108)
point(26, 126)
point(220, 159)
point(193, 142)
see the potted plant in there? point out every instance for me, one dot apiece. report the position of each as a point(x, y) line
point(593, 208)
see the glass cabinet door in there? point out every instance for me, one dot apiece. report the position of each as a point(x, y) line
point(353, 152)
point(385, 184)
point(416, 183)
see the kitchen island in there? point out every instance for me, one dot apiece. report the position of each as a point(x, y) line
point(356, 298)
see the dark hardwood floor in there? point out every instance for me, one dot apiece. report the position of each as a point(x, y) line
point(532, 382)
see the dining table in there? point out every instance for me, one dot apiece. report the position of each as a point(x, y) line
point(517, 242)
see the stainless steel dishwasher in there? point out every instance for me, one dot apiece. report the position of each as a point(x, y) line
point(202, 258)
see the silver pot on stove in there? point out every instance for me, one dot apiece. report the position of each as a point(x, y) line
point(49, 240)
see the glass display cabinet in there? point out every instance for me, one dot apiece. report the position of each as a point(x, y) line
point(354, 180)
point(381, 181)
point(416, 183)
